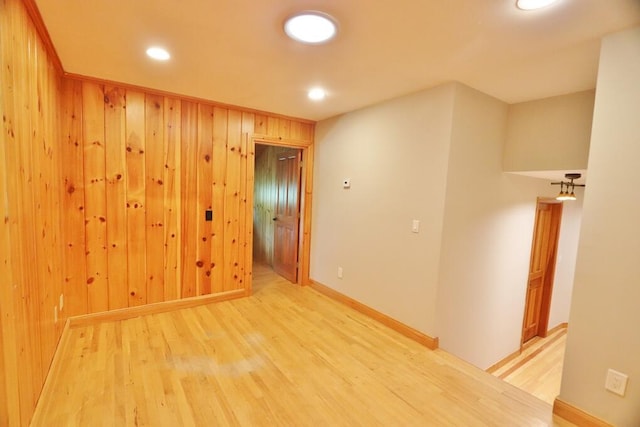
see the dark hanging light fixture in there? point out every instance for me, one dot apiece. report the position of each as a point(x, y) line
point(567, 187)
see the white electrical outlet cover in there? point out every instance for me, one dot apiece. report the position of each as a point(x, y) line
point(616, 382)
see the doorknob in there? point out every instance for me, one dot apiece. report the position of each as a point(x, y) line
point(275, 219)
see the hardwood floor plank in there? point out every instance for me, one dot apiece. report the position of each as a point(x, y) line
point(285, 356)
point(538, 370)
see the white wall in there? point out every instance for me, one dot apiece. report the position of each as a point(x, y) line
point(396, 154)
point(566, 260)
point(468, 265)
point(486, 243)
point(549, 134)
point(604, 329)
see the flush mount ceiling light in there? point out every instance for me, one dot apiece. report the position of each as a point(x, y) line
point(316, 94)
point(533, 4)
point(311, 27)
point(158, 53)
point(565, 194)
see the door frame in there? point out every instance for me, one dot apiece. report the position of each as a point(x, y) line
point(306, 193)
point(549, 275)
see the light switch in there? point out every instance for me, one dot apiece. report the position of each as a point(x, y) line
point(346, 183)
point(415, 226)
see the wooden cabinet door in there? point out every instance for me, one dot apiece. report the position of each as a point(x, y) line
point(287, 214)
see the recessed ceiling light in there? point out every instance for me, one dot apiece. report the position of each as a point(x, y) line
point(158, 53)
point(311, 27)
point(317, 94)
point(533, 4)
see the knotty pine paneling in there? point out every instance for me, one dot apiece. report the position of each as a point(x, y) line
point(31, 212)
point(172, 199)
point(152, 166)
point(154, 197)
point(283, 129)
point(75, 269)
point(232, 277)
point(204, 165)
point(103, 192)
point(221, 118)
point(116, 192)
point(264, 203)
point(136, 285)
point(95, 199)
point(188, 197)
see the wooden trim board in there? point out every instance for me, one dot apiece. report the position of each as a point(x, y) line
point(407, 331)
point(306, 190)
point(160, 307)
point(576, 415)
point(556, 328)
point(491, 369)
point(517, 353)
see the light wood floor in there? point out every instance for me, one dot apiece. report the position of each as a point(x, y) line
point(286, 356)
point(538, 370)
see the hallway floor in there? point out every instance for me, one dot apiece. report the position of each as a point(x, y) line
point(538, 370)
point(286, 355)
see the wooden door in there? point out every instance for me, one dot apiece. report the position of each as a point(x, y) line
point(541, 270)
point(287, 214)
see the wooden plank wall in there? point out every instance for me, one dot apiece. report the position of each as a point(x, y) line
point(264, 203)
point(103, 195)
point(31, 266)
point(152, 165)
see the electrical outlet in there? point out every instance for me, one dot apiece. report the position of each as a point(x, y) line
point(616, 382)
point(55, 314)
point(339, 272)
point(61, 303)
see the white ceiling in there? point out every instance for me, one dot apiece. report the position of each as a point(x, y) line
point(235, 51)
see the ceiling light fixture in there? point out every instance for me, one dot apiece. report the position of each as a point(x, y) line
point(564, 194)
point(311, 27)
point(158, 53)
point(316, 94)
point(533, 4)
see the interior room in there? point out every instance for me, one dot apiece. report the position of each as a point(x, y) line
point(418, 214)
